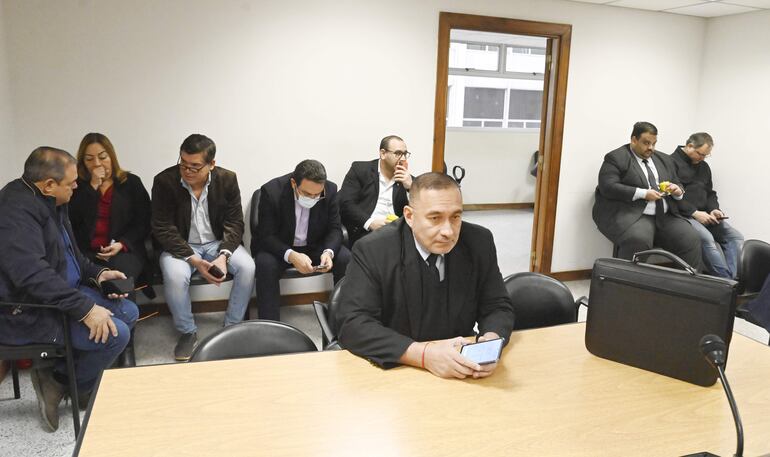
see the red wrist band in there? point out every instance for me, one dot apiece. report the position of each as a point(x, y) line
point(423, 353)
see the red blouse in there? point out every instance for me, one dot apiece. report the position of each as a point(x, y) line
point(102, 228)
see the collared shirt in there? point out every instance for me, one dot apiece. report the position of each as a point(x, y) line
point(424, 253)
point(642, 192)
point(384, 198)
point(200, 224)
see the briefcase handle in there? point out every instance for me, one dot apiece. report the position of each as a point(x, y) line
point(662, 252)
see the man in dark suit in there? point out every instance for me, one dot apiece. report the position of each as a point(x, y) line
point(299, 225)
point(415, 288)
point(630, 208)
point(701, 207)
point(41, 263)
point(374, 192)
point(198, 220)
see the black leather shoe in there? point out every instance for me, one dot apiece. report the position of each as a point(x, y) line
point(49, 394)
point(185, 346)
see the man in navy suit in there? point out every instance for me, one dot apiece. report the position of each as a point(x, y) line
point(299, 226)
point(630, 208)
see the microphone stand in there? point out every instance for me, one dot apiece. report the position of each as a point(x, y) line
point(734, 408)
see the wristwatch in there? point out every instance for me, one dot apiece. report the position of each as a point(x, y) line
point(227, 254)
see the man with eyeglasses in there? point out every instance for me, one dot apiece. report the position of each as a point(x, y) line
point(374, 192)
point(299, 226)
point(198, 220)
point(636, 197)
point(701, 207)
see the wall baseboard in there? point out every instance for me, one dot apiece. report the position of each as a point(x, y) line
point(571, 275)
point(491, 206)
point(211, 306)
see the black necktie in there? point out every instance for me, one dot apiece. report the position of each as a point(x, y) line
point(432, 268)
point(659, 209)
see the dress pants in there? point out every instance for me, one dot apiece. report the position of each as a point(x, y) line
point(269, 272)
point(675, 235)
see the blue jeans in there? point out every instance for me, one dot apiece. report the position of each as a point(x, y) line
point(719, 262)
point(176, 284)
point(92, 357)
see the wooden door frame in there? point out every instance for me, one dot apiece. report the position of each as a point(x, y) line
point(552, 125)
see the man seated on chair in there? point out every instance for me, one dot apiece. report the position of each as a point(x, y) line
point(374, 192)
point(198, 220)
point(41, 264)
point(632, 210)
point(299, 226)
point(415, 288)
point(701, 207)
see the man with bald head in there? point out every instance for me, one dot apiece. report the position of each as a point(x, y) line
point(415, 287)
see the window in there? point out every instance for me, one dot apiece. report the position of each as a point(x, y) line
point(495, 85)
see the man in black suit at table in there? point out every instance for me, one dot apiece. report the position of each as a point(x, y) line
point(630, 208)
point(375, 191)
point(418, 286)
point(299, 225)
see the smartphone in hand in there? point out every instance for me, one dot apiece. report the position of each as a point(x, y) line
point(216, 272)
point(723, 217)
point(483, 352)
point(320, 267)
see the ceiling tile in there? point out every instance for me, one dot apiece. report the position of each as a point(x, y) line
point(712, 9)
point(655, 5)
point(754, 3)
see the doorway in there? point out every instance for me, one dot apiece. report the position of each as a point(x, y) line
point(488, 82)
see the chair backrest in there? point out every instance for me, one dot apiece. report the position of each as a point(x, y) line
point(539, 301)
point(753, 266)
point(252, 339)
point(254, 218)
point(334, 306)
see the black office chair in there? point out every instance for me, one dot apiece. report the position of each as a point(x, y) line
point(326, 314)
point(541, 301)
point(255, 338)
point(45, 352)
point(753, 269)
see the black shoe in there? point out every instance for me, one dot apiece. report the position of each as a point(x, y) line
point(185, 346)
point(84, 398)
point(49, 394)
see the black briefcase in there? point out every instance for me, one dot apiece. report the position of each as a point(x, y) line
point(653, 317)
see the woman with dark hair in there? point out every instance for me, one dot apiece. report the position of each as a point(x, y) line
point(110, 209)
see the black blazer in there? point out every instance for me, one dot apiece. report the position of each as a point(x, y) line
point(277, 222)
point(619, 177)
point(699, 188)
point(33, 267)
point(380, 308)
point(358, 197)
point(171, 211)
point(129, 214)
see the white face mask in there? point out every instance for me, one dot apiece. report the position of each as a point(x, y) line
point(307, 202)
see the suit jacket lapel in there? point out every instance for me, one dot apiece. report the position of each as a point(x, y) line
point(642, 174)
point(411, 278)
point(213, 196)
point(287, 208)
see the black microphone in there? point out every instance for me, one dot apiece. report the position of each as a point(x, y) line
point(715, 351)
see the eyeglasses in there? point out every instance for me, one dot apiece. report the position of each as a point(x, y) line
point(400, 154)
point(189, 169)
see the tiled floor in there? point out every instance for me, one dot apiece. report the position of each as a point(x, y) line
point(21, 433)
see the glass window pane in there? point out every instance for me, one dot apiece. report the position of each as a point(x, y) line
point(517, 125)
point(471, 123)
point(493, 124)
point(485, 103)
point(473, 56)
point(525, 104)
point(524, 60)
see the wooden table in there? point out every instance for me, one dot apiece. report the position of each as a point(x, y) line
point(548, 397)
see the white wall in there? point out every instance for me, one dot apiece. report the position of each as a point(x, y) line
point(148, 73)
point(496, 164)
point(733, 107)
point(11, 164)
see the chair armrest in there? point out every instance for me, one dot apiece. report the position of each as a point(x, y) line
point(333, 346)
point(321, 309)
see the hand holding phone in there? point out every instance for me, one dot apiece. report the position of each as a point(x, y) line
point(483, 352)
point(723, 217)
point(216, 272)
point(117, 286)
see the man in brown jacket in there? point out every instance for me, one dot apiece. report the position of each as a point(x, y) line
point(198, 220)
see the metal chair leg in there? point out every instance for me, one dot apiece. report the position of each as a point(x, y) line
point(15, 377)
point(73, 383)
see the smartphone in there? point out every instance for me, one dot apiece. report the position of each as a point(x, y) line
point(723, 217)
point(118, 286)
point(484, 352)
point(319, 267)
point(216, 272)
